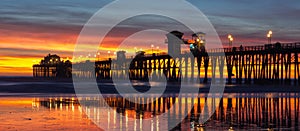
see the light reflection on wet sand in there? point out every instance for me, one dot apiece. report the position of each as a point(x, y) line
point(236, 111)
point(28, 114)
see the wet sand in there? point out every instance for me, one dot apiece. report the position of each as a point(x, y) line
point(21, 114)
point(10, 85)
point(65, 113)
point(17, 112)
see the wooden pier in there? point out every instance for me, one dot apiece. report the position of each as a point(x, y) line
point(271, 63)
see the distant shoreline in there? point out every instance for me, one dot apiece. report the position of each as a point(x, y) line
point(11, 85)
point(32, 79)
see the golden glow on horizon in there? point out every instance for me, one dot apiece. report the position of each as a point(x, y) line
point(16, 101)
point(19, 53)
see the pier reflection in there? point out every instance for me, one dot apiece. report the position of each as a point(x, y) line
point(235, 111)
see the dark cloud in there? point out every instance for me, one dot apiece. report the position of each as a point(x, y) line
point(251, 19)
point(32, 53)
point(241, 17)
point(55, 16)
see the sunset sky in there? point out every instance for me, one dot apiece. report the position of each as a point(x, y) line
point(30, 29)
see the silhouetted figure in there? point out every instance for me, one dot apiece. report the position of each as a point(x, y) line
point(241, 48)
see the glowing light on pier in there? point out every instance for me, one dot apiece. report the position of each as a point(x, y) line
point(269, 36)
point(230, 38)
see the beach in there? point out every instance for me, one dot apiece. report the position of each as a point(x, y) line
point(25, 85)
point(23, 114)
point(51, 104)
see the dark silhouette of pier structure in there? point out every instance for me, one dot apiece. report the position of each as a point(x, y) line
point(269, 63)
point(53, 66)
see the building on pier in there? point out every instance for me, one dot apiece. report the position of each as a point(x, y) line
point(52, 66)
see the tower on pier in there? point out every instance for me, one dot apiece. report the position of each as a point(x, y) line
point(174, 40)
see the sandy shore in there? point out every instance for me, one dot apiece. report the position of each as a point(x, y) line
point(10, 85)
point(21, 109)
point(22, 114)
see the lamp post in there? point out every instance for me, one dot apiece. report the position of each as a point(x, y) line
point(230, 38)
point(269, 36)
point(89, 56)
point(108, 54)
point(98, 54)
point(152, 48)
